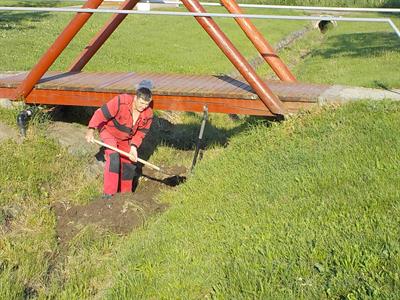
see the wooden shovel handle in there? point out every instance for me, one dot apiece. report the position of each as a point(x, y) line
point(154, 167)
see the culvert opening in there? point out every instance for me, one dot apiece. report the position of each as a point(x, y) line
point(325, 25)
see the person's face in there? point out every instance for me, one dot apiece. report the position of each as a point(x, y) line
point(141, 104)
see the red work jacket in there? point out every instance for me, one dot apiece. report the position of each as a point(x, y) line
point(116, 117)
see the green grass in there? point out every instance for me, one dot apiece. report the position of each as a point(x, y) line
point(337, 3)
point(358, 54)
point(342, 3)
point(36, 3)
point(308, 208)
point(38, 173)
point(305, 209)
point(33, 175)
point(141, 43)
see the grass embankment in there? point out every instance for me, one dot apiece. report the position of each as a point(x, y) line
point(38, 173)
point(358, 54)
point(34, 175)
point(304, 209)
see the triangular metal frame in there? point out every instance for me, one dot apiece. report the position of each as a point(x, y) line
point(271, 101)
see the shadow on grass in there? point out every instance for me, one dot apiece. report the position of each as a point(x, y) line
point(391, 3)
point(184, 136)
point(381, 85)
point(16, 20)
point(178, 136)
point(359, 45)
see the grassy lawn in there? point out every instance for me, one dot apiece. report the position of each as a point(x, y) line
point(362, 54)
point(141, 43)
point(306, 208)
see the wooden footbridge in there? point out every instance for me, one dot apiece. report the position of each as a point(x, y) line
point(221, 94)
point(248, 94)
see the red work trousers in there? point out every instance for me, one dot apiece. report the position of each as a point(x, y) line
point(119, 170)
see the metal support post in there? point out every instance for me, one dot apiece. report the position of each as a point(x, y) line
point(83, 58)
point(261, 44)
point(55, 50)
point(263, 91)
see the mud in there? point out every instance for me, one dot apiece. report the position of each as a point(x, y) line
point(121, 214)
point(171, 176)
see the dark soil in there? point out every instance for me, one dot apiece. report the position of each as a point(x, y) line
point(120, 214)
point(5, 220)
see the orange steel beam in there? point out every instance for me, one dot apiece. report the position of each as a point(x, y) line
point(263, 91)
point(161, 102)
point(55, 50)
point(83, 58)
point(262, 45)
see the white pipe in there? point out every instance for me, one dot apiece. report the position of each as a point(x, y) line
point(394, 27)
point(190, 14)
point(317, 8)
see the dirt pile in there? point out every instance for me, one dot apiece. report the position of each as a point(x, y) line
point(120, 214)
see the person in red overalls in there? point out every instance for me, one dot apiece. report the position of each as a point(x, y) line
point(122, 122)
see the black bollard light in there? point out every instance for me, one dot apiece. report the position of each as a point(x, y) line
point(22, 121)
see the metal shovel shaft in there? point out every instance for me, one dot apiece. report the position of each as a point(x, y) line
point(198, 144)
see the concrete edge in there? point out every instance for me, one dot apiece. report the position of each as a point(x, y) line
point(10, 104)
point(343, 94)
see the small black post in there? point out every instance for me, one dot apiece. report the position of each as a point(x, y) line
point(198, 145)
point(23, 119)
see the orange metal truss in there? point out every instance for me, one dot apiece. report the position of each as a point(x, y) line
point(270, 102)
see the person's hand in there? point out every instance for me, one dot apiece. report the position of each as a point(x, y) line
point(90, 135)
point(133, 153)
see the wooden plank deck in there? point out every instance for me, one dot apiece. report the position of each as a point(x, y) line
point(171, 91)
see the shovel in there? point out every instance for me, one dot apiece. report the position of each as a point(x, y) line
point(173, 180)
